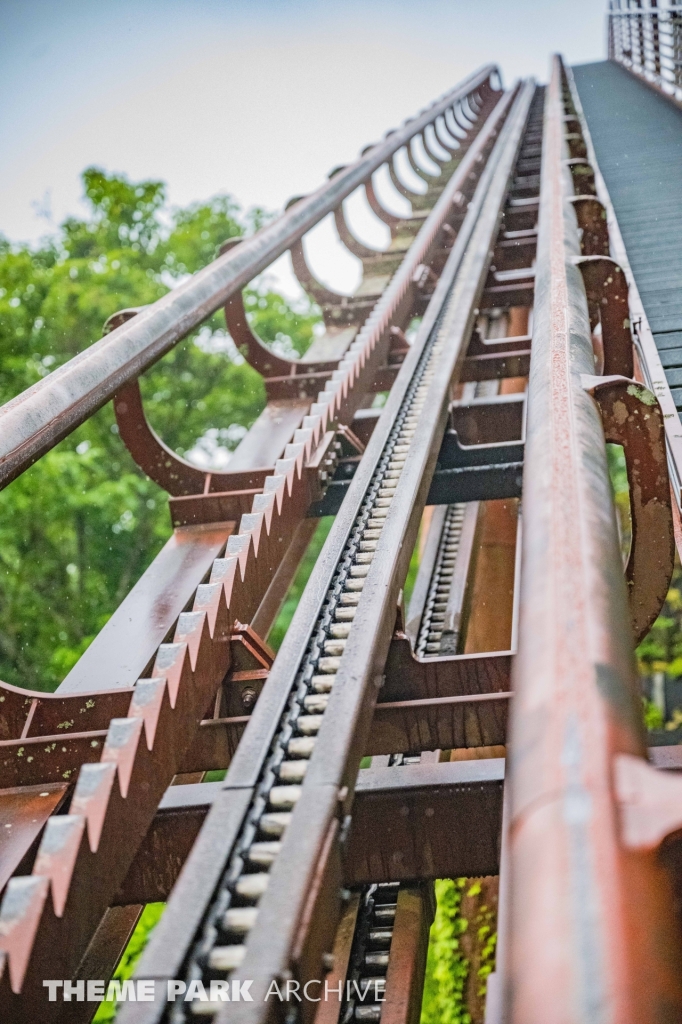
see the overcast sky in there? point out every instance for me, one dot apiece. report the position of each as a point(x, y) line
point(259, 99)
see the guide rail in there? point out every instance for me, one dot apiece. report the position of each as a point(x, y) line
point(323, 685)
point(497, 325)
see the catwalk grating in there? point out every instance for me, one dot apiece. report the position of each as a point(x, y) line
point(637, 135)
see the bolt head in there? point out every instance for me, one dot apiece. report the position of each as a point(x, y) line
point(248, 697)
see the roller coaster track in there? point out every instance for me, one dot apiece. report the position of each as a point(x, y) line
point(498, 324)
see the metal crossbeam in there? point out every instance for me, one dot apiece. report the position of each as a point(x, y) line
point(303, 863)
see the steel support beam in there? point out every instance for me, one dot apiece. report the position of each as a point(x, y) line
point(36, 420)
point(415, 821)
point(589, 919)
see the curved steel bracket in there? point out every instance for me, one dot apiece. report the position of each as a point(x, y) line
point(320, 293)
point(428, 179)
point(158, 461)
point(432, 155)
point(391, 219)
point(632, 417)
point(607, 300)
point(406, 192)
point(465, 126)
point(121, 317)
point(452, 143)
point(462, 118)
point(456, 126)
point(583, 176)
point(256, 352)
point(359, 249)
point(161, 464)
point(349, 308)
point(352, 244)
point(591, 215)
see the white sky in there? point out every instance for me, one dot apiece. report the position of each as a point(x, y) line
point(259, 99)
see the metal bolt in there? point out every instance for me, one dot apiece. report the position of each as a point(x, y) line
point(249, 697)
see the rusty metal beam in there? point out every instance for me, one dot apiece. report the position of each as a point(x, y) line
point(122, 650)
point(382, 795)
point(334, 761)
point(415, 821)
point(649, 358)
point(318, 862)
point(79, 865)
point(35, 421)
point(407, 963)
point(23, 813)
point(430, 723)
point(425, 821)
point(588, 918)
point(328, 1010)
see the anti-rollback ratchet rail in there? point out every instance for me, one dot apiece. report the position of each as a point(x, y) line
point(303, 869)
point(295, 781)
point(124, 770)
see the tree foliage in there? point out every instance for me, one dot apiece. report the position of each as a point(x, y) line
point(444, 1000)
point(78, 528)
point(151, 915)
point(661, 649)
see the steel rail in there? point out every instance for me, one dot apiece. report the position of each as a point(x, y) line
point(431, 626)
point(274, 753)
point(384, 957)
point(262, 538)
point(373, 564)
point(370, 953)
point(392, 307)
point(592, 932)
point(36, 420)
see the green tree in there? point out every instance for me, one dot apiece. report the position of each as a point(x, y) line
point(79, 528)
point(446, 967)
point(661, 649)
point(151, 915)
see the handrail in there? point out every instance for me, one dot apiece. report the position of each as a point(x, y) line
point(41, 416)
point(647, 40)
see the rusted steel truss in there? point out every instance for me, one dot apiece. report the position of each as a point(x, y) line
point(111, 748)
point(301, 865)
